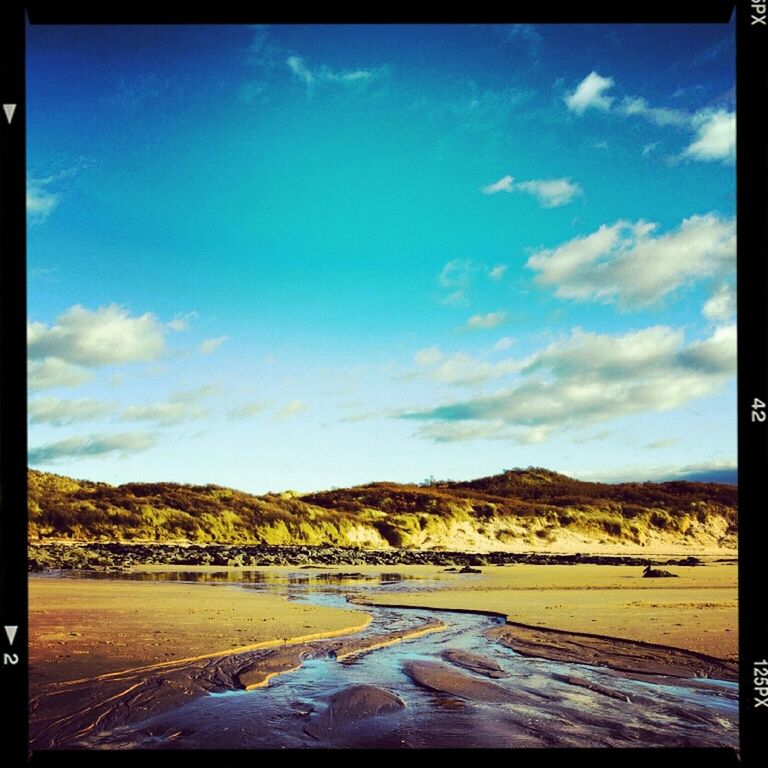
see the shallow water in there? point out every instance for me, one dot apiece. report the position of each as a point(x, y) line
point(543, 711)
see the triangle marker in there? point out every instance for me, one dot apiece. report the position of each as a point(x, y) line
point(9, 109)
point(11, 632)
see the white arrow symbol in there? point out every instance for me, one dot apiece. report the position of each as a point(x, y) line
point(9, 109)
point(11, 632)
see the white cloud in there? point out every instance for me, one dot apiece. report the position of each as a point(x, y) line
point(460, 369)
point(324, 74)
point(550, 192)
point(715, 130)
point(722, 305)
point(93, 446)
point(41, 199)
point(590, 93)
point(210, 345)
point(490, 320)
point(714, 354)
point(40, 202)
point(180, 407)
point(613, 356)
point(290, 409)
point(591, 378)
point(164, 414)
point(195, 395)
point(248, 410)
point(625, 263)
point(718, 470)
point(664, 442)
point(428, 357)
point(456, 298)
point(715, 136)
point(52, 410)
point(456, 275)
point(498, 272)
point(661, 116)
point(464, 431)
point(648, 149)
point(51, 372)
point(299, 68)
point(505, 342)
point(350, 76)
point(100, 337)
point(502, 185)
point(181, 322)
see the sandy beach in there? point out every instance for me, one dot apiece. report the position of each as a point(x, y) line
point(81, 628)
point(141, 648)
point(696, 611)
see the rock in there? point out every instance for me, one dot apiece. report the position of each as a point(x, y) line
point(653, 573)
point(102, 556)
point(469, 569)
point(685, 561)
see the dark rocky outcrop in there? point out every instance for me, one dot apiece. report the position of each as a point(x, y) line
point(657, 573)
point(107, 557)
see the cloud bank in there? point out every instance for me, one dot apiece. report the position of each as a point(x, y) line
point(590, 378)
point(93, 446)
point(629, 264)
point(52, 410)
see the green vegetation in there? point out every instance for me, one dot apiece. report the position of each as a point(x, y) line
point(526, 505)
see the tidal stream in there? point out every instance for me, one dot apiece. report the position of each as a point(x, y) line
point(525, 702)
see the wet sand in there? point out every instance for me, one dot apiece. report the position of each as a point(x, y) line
point(352, 704)
point(81, 628)
point(107, 653)
point(628, 656)
point(695, 612)
point(63, 712)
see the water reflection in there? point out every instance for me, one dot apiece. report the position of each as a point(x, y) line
point(235, 576)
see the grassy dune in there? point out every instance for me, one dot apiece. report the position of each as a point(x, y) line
point(519, 508)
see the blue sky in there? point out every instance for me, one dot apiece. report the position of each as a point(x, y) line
point(313, 256)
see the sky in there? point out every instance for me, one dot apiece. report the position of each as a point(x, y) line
point(305, 257)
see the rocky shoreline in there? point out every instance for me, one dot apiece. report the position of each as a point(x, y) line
point(99, 556)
